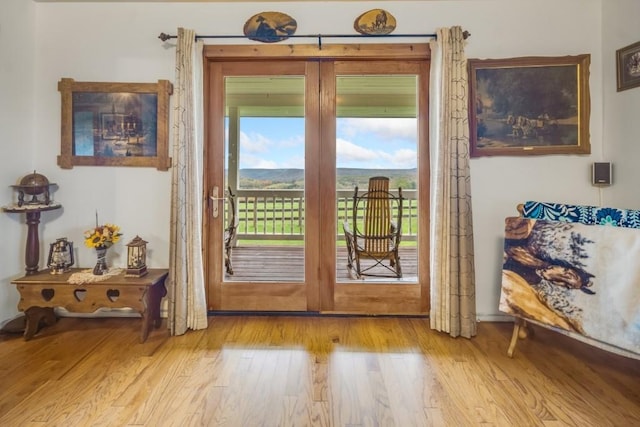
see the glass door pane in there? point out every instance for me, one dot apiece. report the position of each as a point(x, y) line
point(265, 171)
point(377, 136)
point(379, 111)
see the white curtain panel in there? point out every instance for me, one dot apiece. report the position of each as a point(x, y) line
point(453, 305)
point(187, 302)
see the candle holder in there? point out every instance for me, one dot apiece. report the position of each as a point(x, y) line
point(136, 257)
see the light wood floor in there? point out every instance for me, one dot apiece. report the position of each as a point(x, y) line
point(309, 371)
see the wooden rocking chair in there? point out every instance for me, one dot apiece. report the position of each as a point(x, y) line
point(230, 231)
point(376, 230)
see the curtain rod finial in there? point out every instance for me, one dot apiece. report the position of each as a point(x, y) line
point(164, 37)
point(466, 34)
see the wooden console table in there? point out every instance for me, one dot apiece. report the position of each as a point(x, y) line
point(41, 292)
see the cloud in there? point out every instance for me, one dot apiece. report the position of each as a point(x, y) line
point(285, 153)
point(255, 142)
point(293, 162)
point(381, 143)
point(405, 158)
point(383, 128)
point(347, 151)
point(356, 156)
point(254, 162)
point(294, 141)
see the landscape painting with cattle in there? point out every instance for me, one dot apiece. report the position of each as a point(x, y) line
point(523, 106)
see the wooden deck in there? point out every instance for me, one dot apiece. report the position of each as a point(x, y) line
point(286, 264)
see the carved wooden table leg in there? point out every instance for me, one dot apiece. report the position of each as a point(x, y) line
point(36, 315)
point(151, 316)
point(146, 315)
point(157, 293)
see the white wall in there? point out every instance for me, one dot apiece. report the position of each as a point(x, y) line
point(622, 109)
point(118, 42)
point(502, 29)
point(17, 53)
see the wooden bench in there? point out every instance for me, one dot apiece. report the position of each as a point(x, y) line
point(40, 293)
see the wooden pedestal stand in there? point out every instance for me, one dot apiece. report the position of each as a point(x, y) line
point(32, 249)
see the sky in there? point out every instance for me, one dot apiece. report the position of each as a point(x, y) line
point(368, 143)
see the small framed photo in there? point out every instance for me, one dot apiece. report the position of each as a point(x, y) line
point(529, 106)
point(628, 67)
point(114, 124)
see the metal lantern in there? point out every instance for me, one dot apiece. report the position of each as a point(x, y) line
point(60, 256)
point(136, 257)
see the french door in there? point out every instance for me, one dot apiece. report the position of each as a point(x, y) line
point(294, 110)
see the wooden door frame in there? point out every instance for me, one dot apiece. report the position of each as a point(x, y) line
point(319, 268)
point(253, 296)
point(378, 298)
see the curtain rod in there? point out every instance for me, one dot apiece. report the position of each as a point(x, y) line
point(164, 37)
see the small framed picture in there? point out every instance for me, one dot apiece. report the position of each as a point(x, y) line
point(628, 66)
point(114, 124)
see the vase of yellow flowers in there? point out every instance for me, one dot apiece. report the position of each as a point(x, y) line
point(101, 238)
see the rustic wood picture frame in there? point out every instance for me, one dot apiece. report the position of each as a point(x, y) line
point(529, 106)
point(114, 124)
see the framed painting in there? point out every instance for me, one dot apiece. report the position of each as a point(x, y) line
point(628, 66)
point(114, 124)
point(529, 106)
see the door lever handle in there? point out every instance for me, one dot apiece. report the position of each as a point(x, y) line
point(215, 211)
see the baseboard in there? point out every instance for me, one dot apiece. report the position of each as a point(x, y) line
point(15, 325)
point(494, 318)
point(127, 312)
point(109, 312)
point(103, 312)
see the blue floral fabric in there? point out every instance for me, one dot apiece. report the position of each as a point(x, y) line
point(583, 214)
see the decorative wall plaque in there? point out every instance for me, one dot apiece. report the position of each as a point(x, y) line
point(269, 27)
point(376, 22)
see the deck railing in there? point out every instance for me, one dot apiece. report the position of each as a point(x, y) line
point(279, 214)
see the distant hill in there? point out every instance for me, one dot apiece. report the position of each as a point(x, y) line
point(272, 174)
point(347, 178)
